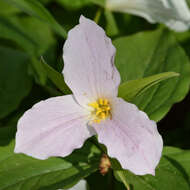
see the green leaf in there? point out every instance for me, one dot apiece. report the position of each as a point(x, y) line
point(173, 172)
point(149, 53)
point(99, 2)
point(180, 158)
point(168, 150)
point(19, 31)
point(36, 9)
point(188, 2)
point(15, 84)
point(57, 78)
point(5, 8)
point(35, 44)
point(43, 38)
point(75, 4)
point(12, 30)
point(45, 1)
point(21, 172)
point(121, 177)
point(131, 89)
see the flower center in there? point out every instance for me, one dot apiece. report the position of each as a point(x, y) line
point(102, 110)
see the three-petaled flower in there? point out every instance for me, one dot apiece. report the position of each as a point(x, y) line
point(58, 125)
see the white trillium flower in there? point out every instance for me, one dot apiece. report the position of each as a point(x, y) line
point(58, 125)
point(173, 13)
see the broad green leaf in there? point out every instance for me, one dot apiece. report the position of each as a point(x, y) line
point(173, 172)
point(21, 172)
point(34, 43)
point(169, 150)
point(11, 29)
point(20, 30)
point(182, 37)
point(15, 84)
point(180, 159)
point(56, 77)
point(43, 38)
point(121, 177)
point(36, 9)
point(149, 53)
point(46, 1)
point(74, 4)
point(131, 89)
point(77, 4)
point(6, 9)
point(99, 2)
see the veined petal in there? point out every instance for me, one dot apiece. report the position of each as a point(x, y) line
point(131, 137)
point(54, 127)
point(89, 63)
point(174, 13)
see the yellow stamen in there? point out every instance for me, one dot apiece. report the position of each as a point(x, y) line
point(101, 101)
point(94, 104)
point(105, 101)
point(101, 111)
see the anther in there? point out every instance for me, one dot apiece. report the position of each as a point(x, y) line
point(102, 110)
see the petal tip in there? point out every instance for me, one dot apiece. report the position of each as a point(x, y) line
point(82, 19)
point(85, 20)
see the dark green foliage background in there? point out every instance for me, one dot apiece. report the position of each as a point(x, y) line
point(30, 30)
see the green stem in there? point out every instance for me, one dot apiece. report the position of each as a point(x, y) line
point(98, 15)
point(123, 179)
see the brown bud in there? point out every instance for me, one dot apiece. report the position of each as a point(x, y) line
point(105, 164)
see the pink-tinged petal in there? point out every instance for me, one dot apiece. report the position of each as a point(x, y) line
point(131, 137)
point(89, 63)
point(54, 127)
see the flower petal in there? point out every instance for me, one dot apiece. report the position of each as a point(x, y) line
point(174, 13)
point(81, 185)
point(89, 63)
point(131, 138)
point(54, 127)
